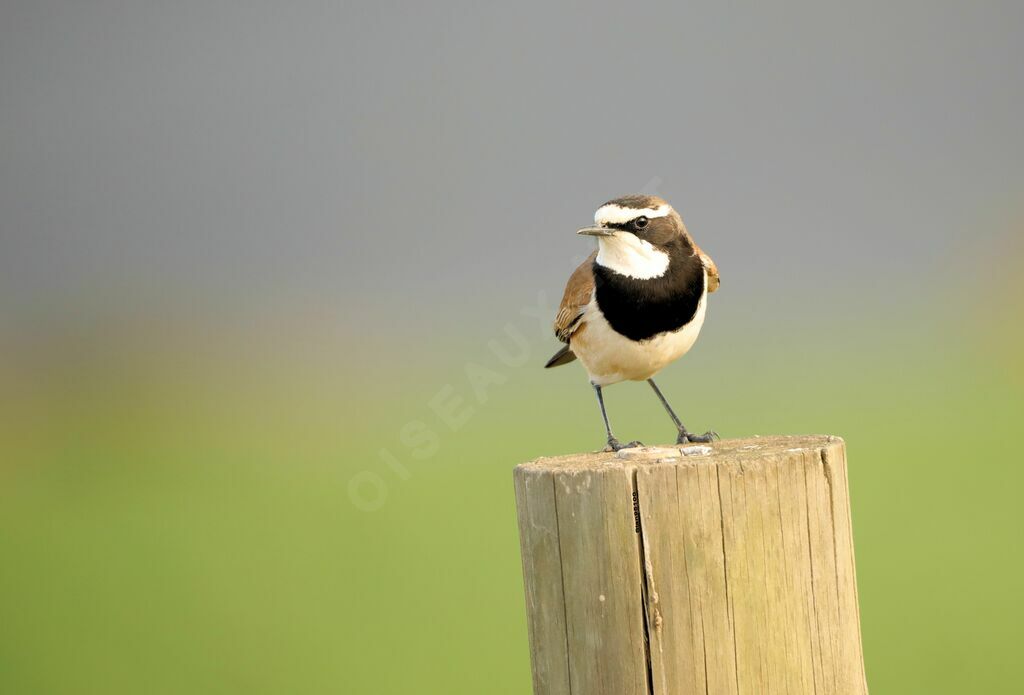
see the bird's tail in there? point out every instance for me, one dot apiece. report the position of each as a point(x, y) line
point(563, 356)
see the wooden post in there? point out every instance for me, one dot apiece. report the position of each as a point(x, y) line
point(721, 569)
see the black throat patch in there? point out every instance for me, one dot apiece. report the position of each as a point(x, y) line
point(641, 309)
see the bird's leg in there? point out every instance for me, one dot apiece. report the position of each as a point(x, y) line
point(613, 443)
point(684, 435)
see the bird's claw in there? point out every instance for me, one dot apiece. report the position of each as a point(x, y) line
point(706, 438)
point(615, 445)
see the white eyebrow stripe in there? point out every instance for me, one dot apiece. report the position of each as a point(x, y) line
point(616, 214)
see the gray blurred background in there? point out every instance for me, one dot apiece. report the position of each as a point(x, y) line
point(361, 154)
point(243, 245)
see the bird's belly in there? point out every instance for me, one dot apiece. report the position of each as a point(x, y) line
point(610, 357)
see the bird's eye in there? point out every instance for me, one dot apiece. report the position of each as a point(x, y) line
point(640, 222)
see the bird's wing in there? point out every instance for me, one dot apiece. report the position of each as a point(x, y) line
point(712, 270)
point(578, 292)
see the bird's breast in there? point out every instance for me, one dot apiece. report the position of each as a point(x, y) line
point(610, 356)
point(641, 309)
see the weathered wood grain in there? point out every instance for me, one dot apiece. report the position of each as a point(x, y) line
point(729, 570)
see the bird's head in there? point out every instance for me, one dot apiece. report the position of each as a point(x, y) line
point(637, 235)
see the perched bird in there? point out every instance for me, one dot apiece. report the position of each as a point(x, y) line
point(637, 303)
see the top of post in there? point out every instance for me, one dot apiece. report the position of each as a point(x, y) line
point(726, 450)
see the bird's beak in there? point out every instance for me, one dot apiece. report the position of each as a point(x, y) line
point(596, 231)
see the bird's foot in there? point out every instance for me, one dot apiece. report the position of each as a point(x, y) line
point(615, 445)
point(688, 438)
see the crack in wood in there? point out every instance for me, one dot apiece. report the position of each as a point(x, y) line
point(645, 585)
point(561, 578)
point(730, 611)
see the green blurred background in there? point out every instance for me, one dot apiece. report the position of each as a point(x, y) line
point(276, 284)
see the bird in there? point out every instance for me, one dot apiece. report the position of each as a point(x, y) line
point(637, 303)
